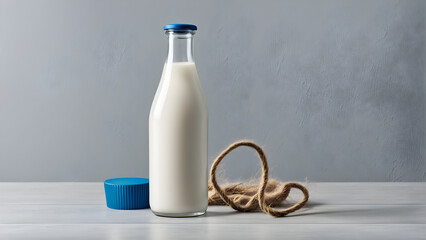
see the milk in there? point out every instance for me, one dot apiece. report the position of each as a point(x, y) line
point(178, 143)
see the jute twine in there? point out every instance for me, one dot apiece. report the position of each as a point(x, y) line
point(264, 196)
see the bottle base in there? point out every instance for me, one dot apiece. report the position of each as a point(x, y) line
point(179, 215)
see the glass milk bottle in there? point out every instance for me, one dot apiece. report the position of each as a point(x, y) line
point(178, 132)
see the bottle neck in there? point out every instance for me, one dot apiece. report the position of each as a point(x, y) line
point(180, 46)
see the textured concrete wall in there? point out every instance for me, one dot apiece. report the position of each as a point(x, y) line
point(334, 90)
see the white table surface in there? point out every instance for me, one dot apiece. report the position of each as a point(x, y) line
point(334, 211)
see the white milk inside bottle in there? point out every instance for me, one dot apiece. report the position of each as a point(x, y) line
point(178, 125)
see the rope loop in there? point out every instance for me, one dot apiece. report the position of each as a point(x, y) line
point(245, 198)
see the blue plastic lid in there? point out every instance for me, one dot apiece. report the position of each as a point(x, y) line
point(180, 27)
point(127, 193)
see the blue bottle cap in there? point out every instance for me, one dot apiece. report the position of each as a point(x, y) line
point(180, 27)
point(127, 193)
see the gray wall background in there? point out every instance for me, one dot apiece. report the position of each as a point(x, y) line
point(333, 90)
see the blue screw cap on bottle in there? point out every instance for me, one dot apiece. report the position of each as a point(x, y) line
point(127, 193)
point(180, 27)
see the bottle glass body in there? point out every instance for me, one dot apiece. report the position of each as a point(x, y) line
point(178, 125)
